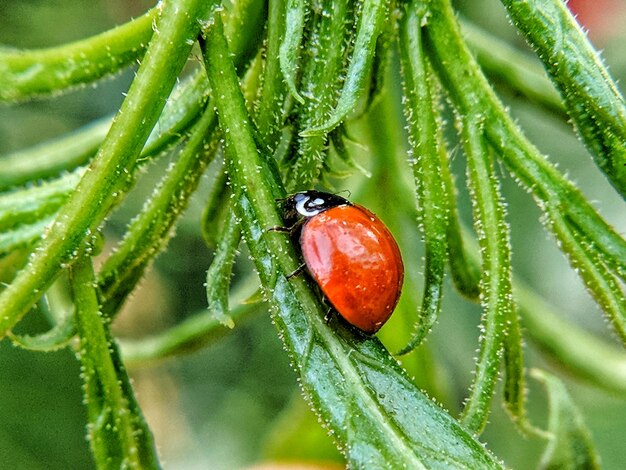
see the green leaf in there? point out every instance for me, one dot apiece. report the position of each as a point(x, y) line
point(319, 87)
point(25, 74)
point(591, 97)
point(570, 446)
point(420, 113)
point(377, 415)
point(465, 274)
point(495, 281)
point(598, 278)
point(53, 157)
point(76, 148)
point(515, 69)
point(193, 333)
point(270, 109)
point(23, 235)
point(218, 275)
point(56, 337)
point(371, 20)
point(292, 43)
point(569, 347)
point(118, 434)
point(32, 204)
point(244, 27)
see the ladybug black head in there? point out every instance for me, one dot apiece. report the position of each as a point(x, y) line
point(306, 204)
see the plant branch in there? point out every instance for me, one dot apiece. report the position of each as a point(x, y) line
point(107, 178)
point(25, 74)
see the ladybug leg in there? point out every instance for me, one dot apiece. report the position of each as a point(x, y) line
point(278, 228)
point(297, 272)
point(329, 315)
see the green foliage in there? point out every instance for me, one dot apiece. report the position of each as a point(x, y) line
point(570, 443)
point(276, 84)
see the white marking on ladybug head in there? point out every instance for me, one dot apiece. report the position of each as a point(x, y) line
point(309, 207)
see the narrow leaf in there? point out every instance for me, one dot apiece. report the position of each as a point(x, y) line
point(292, 44)
point(24, 235)
point(420, 113)
point(118, 434)
point(29, 205)
point(320, 87)
point(198, 331)
point(469, 89)
point(53, 157)
point(25, 74)
point(495, 282)
point(570, 446)
point(601, 283)
point(581, 354)
point(56, 337)
point(517, 70)
point(270, 110)
point(592, 99)
point(465, 273)
point(76, 148)
point(149, 232)
point(218, 275)
point(355, 86)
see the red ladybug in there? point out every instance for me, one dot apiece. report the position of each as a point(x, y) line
point(349, 253)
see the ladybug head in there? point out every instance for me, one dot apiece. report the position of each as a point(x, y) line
point(306, 204)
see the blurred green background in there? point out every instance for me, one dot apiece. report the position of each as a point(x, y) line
point(237, 402)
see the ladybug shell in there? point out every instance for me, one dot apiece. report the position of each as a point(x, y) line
point(356, 262)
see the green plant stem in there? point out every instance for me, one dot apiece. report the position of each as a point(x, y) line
point(319, 88)
point(515, 69)
point(119, 436)
point(53, 157)
point(578, 352)
point(495, 283)
point(200, 330)
point(355, 87)
point(25, 74)
point(591, 97)
point(419, 110)
point(570, 444)
point(108, 175)
point(149, 232)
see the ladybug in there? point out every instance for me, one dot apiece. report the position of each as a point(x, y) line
point(349, 253)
